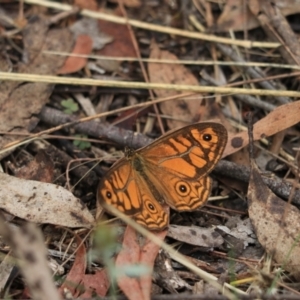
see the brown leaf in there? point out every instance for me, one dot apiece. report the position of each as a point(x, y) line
point(236, 16)
point(276, 223)
point(287, 7)
point(84, 285)
point(129, 255)
point(134, 252)
point(87, 26)
point(41, 168)
point(121, 45)
point(240, 15)
point(183, 109)
point(83, 45)
point(279, 119)
point(74, 277)
point(96, 283)
point(127, 119)
point(29, 98)
point(39, 62)
point(86, 4)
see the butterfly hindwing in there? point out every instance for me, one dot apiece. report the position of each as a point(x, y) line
point(125, 190)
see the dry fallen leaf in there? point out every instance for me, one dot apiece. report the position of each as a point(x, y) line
point(83, 46)
point(181, 109)
point(134, 251)
point(84, 285)
point(279, 119)
point(240, 15)
point(165, 275)
point(88, 26)
point(243, 231)
point(203, 237)
point(84, 4)
point(21, 102)
point(287, 7)
point(41, 168)
point(276, 223)
point(121, 46)
point(236, 16)
point(41, 202)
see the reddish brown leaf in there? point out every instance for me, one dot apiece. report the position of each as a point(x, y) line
point(86, 4)
point(127, 119)
point(148, 254)
point(95, 283)
point(73, 64)
point(120, 47)
point(76, 274)
point(129, 254)
point(132, 253)
point(81, 284)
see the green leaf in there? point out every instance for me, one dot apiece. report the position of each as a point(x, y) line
point(70, 106)
point(82, 145)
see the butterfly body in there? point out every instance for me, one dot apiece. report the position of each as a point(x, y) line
point(172, 170)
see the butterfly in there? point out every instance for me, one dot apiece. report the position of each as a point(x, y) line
point(172, 170)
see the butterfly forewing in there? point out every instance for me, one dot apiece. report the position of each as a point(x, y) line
point(189, 152)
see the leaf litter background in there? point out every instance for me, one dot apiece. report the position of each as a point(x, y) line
point(247, 238)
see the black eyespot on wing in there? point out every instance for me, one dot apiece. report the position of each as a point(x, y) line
point(108, 194)
point(207, 137)
point(150, 206)
point(182, 188)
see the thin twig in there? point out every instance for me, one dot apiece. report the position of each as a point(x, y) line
point(142, 85)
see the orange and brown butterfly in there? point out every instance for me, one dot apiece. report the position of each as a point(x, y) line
point(173, 170)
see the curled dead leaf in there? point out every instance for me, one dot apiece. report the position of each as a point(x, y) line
point(279, 119)
point(275, 222)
